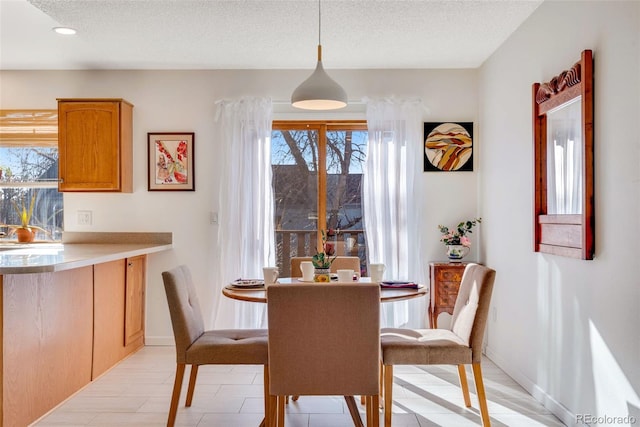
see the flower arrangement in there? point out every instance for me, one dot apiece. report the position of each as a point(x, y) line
point(323, 259)
point(458, 236)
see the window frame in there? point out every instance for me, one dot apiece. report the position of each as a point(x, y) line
point(23, 128)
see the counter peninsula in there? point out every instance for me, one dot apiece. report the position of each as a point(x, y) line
point(68, 313)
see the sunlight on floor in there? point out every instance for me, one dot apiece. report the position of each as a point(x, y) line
point(137, 393)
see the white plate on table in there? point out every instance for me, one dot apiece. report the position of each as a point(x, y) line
point(247, 284)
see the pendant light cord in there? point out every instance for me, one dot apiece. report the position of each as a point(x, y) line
point(319, 24)
point(319, 33)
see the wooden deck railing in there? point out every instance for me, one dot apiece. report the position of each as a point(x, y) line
point(292, 243)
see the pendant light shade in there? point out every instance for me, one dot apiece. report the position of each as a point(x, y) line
point(319, 91)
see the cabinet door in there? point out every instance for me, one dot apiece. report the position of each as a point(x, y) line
point(134, 301)
point(94, 140)
point(108, 315)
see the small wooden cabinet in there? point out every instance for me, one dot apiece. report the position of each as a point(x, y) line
point(119, 288)
point(445, 281)
point(95, 145)
point(134, 301)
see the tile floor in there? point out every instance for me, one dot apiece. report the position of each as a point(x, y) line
point(137, 392)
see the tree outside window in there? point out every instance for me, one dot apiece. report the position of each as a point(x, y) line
point(317, 176)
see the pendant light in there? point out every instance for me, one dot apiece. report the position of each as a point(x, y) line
point(319, 91)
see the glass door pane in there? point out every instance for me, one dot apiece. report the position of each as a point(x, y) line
point(345, 152)
point(294, 160)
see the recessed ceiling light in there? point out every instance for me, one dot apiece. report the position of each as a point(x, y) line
point(64, 30)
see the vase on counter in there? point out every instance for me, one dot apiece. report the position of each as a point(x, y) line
point(455, 253)
point(322, 275)
point(25, 234)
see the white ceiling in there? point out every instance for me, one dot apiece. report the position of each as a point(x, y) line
point(255, 34)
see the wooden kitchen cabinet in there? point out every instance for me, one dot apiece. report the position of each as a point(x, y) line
point(134, 302)
point(119, 311)
point(445, 281)
point(95, 145)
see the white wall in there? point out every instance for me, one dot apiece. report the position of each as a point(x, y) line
point(566, 329)
point(185, 101)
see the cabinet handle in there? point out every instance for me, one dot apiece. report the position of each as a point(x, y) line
point(61, 180)
point(129, 263)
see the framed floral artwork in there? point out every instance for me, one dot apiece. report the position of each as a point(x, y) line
point(448, 146)
point(171, 165)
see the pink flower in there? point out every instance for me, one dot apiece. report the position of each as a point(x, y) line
point(464, 241)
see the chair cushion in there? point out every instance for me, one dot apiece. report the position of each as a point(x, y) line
point(423, 347)
point(230, 346)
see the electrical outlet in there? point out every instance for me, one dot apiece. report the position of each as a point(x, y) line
point(213, 217)
point(85, 217)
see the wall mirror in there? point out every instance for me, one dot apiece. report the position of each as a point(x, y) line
point(563, 169)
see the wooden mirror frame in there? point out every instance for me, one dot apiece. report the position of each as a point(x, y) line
point(570, 235)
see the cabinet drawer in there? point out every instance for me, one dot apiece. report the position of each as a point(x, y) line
point(454, 275)
point(446, 300)
point(449, 287)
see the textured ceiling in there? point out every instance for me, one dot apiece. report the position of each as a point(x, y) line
point(255, 34)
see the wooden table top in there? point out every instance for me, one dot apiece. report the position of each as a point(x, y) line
point(259, 294)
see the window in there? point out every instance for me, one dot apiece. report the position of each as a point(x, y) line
point(317, 181)
point(29, 169)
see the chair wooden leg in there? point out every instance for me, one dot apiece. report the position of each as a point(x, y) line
point(280, 411)
point(267, 406)
point(192, 384)
point(273, 410)
point(381, 387)
point(373, 410)
point(363, 400)
point(464, 385)
point(367, 409)
point(388, 394)
point(175, 396)
point(482, 398)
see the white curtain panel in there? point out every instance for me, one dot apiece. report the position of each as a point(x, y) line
point(245, 230)
point(391, 194)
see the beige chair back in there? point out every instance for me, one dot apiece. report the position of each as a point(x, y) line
point(346, 262)
point(324, 339)
point(341, 262)
point(186, 316)
point(471, 309)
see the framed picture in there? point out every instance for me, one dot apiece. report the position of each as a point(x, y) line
point(171, 165)
point(448, 146)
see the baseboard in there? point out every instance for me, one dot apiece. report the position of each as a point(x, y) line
point(168, 341)
point(555, 407)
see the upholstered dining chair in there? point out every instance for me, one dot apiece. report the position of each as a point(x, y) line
point(339, 263)
point(195, 346)
point(459, 345)
point(324, 339)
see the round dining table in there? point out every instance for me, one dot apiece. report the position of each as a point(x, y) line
point(387, 294)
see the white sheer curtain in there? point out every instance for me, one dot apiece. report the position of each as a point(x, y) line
point(565, 164)
point(245, 218)
point(391, 194)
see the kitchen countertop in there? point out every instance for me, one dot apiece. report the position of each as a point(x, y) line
point(79, 250)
